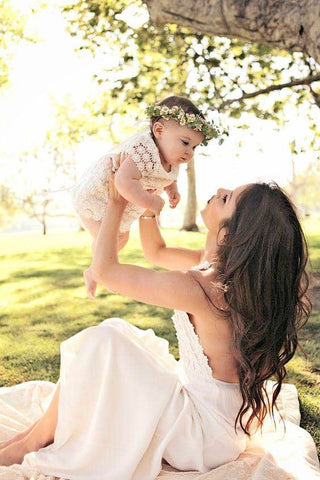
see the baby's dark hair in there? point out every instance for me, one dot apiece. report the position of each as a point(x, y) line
point(186, 105)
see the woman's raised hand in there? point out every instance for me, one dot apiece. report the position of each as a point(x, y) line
point(113, 194)
point(156, 204)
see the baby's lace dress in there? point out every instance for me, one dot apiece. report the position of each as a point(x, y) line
point(90, 194)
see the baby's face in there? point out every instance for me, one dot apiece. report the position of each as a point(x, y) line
point(176, 143)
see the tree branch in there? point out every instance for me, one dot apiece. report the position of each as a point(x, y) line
point(315, 95)
point(272, 88)
point(293, 25)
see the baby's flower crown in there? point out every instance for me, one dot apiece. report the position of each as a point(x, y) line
point(208, 129)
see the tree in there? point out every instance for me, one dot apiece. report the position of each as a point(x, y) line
point(36, 204)
point(8, 203)
point(150, 62)
point(55, 158)
point(37, 199)
point(71, 125)
point(190, 213)
point(293, 25)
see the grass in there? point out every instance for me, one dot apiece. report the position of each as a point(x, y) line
point(43, 302)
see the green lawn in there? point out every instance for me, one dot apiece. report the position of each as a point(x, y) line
point(43, 302)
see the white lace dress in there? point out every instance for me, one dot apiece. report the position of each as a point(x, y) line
point(126, 403)
point(90, 194)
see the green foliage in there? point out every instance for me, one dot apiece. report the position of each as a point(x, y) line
point(71, 125)
point(12, 31)
point(155, 61)
point(43, 303)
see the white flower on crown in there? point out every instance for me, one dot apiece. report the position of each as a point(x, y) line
point(164, 110)
point(196, 122)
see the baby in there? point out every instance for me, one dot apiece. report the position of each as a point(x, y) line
point(149, 164)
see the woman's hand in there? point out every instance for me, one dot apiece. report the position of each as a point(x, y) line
point(156, 204)
point(113, 193)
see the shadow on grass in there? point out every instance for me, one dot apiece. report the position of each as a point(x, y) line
point(4, 317)
point(44, 280)
point(19, 369)
point(310, 421)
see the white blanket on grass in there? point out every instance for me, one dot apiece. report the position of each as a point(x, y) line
point(273, 457)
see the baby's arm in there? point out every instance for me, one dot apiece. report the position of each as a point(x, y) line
point(127, 182)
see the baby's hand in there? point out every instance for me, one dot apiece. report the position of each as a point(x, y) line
point(173, 194)
point(156, 204)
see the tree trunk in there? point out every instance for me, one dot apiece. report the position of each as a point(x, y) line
point(190, 214)
point(293, 183)
point(44, 217)
point(289, 24)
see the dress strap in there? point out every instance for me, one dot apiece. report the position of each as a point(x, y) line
point(203, 266)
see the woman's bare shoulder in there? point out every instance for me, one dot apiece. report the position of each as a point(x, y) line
point(213, 290)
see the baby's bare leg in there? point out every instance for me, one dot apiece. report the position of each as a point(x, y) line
point(93, 227)
point(39, 436)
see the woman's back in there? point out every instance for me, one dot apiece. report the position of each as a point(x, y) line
point(207, 369)
point(215, 337)
point(213, 327)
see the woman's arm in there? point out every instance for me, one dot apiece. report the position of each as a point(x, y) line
point(167, 289)
point(156, 251)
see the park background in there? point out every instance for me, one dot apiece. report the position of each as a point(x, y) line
point(75, 78)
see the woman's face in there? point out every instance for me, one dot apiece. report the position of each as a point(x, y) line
point(220, 206)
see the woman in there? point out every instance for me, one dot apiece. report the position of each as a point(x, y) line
point(123, 403)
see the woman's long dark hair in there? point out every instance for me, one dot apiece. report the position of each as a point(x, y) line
point(262, 263)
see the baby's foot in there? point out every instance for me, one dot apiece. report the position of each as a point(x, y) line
point(91, 285)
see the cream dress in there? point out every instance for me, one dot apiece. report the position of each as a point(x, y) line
point(126, 404)
point(90, 194)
